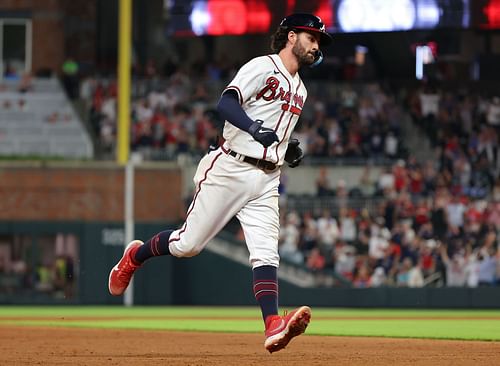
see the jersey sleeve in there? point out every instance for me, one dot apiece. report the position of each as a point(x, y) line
point(248, 79)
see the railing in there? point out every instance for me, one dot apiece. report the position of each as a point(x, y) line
point(315, 204)
point(434, 280)
point(225, 244)
point(155, 154)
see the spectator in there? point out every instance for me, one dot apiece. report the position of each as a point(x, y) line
point(428, 257)
point(416, 276)
point(70, 71)
point(378, 243)
point(487, 266)
point(493, 112)
point(341, 194)
point(316, 260)
point(364, 230)
point(400, 174)
point(378, 278)
point(334, 137)
point(492, 214)
point(455, 211)
point(403, 274)
point(455, 268)
point(391, 143)
point(386, 182)
point(473, 217)
point(289, 239)
point(345, 260)
point(429, 102)
point(349, 97)
point(328, 232)
point(366, 185)
point(323, 187)
point(362, 277)
point(439, 218)
point(309, 233)
point(348, 230)
point(495, 194)
point(472, 268)
point(44, 278)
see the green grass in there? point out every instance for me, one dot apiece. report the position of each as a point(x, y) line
point(436, 324)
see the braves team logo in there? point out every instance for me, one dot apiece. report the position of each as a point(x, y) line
point(273, 91)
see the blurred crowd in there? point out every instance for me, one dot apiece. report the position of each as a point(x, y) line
point(419, 233)
point(434, 223)
point(464, 128)
point(55, 278)
point(174, 115)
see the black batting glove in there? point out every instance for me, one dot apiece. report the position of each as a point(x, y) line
point(263, 135)
point(294, 153)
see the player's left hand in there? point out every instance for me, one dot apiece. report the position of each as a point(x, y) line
point(294, 153)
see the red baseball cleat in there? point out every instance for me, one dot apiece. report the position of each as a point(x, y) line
point(281, 329)
point(122, 273)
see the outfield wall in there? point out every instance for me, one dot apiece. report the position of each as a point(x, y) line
point(213, 280)
point(207, 279)
point(50, 209)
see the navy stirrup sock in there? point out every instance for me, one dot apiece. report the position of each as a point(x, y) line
point(265, 289)
point(157, 245)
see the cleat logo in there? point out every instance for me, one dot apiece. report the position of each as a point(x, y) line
point(281, 325)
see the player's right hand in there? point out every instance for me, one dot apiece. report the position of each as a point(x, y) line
point(294, 153)
point(265, 136)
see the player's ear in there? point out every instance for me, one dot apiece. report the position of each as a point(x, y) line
point(292, 37)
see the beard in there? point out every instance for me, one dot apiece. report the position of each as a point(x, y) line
point(303, 57)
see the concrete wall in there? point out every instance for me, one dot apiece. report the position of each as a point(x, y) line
point(302, 180)
point(196, 281)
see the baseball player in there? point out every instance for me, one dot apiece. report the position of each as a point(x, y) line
point(261, 107)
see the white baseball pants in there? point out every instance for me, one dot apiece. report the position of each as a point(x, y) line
point(226, 187)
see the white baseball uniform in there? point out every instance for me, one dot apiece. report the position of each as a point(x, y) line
point(226, 185)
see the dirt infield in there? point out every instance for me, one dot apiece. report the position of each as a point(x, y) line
point(75, 347)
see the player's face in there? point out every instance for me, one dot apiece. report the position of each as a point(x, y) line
point(305, 47)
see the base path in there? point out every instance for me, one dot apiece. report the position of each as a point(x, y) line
point(76, 346)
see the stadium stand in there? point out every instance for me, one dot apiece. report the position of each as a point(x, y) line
point(340, 124)
point(37, 119)
point(419, 222)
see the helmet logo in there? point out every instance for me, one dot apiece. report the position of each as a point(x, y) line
point(308, 22)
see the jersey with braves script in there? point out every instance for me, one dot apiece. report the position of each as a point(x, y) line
point(266, 92)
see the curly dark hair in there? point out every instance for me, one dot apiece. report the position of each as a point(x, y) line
point(279, 39)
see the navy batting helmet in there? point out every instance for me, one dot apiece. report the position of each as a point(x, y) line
point(309, 23)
